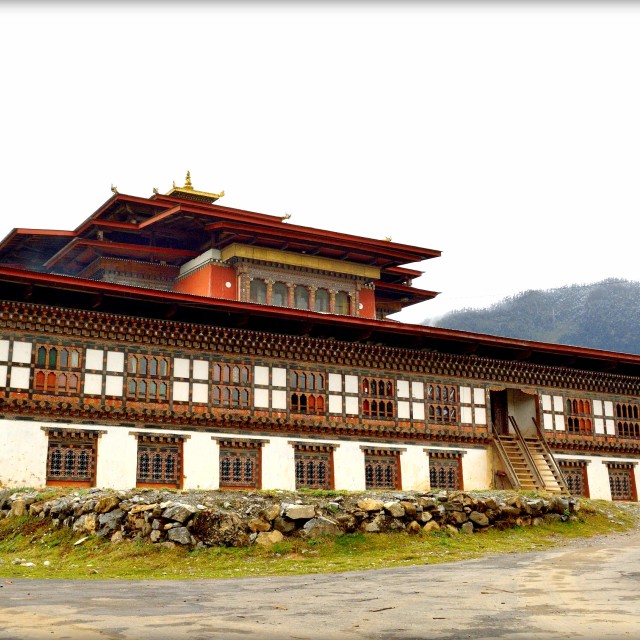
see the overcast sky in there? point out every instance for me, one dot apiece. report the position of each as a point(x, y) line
point(506, 136)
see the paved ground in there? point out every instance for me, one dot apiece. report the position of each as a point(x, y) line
point(587, 589)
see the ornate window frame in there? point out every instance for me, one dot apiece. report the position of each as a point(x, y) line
point(72, 456)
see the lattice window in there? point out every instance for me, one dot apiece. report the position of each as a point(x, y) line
point(374, 390)
point(575, 475)
point(159, 460)
point(445, 470)
point(314, 466)
point(56, 357)
point(301, 399)
point(301, 297)
point(322, 300)
point(342, 303)
point(380, 409)
point(579, 416)
point(378, 387)
point(280, 294)
point(240, 463)
point(71, 457)
point(627, 420)
point(231, 388)
point(152, 366)
point(54, 370)
point(444, 404)
point(621, 481)
point(145, 381)
point(147, 390)
point(382, 468)
point(258, 291)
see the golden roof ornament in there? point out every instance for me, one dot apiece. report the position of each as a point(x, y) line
point(187, 192)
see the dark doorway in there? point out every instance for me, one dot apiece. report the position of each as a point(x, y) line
point(499, 412)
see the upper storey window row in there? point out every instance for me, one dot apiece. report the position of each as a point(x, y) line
point(580, 416)
point(298, 296)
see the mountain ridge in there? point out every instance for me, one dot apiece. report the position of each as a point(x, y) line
point(601, 315)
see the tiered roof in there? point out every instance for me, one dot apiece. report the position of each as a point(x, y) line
point(44, 267)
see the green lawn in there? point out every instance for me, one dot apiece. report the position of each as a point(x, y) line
point(34, 541)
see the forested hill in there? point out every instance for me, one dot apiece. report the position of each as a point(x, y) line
point(603, 315)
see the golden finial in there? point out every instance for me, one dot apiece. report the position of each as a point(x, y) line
point(189, 193)
point(155, 190)
point(114, 188)
point(286, 216)
point(387, 239)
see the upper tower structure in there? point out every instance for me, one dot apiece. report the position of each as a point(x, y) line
point(185, 242)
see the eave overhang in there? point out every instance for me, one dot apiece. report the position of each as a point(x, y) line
point(79, 253)
point(405, 294)
point(77, 293)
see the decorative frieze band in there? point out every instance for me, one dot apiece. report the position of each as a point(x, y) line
point(26, 317)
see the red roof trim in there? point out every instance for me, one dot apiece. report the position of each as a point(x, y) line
point(160, 216)
point(403, 271)
point(409, 291)
point(28, 233)
point(115, 247)
point(313, 236)
point(216, 208)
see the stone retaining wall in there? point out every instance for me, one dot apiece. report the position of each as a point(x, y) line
point(227, 518)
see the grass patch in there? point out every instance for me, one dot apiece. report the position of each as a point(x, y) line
point(34, 540)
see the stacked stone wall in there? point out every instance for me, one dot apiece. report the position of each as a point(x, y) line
point(226, 518)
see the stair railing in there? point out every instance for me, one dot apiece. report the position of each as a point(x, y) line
point(555, 469)
point(511, 472)
point(527, 454)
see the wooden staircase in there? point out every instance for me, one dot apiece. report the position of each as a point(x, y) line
point(529, 463)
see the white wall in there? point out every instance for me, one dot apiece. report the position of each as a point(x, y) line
point(414, 468)
point(117, 458)
point(201, 462)
point(348, 467)
point(278, 465)
point(476, 469)
point(598, 474)
point(23, 454)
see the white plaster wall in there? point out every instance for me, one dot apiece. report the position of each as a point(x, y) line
point(597, 475)
point(348, 467)
point(278, 465)
point(117, 458)
point(598, 478)
point(201, 462)
point(414, 468)
point(23, 454)
point(476, 469)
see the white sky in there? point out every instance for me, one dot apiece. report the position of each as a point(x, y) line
point(507, 136)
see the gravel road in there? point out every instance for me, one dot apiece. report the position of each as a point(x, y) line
point(582, 590)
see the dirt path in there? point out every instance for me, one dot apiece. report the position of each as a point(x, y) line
point(586, 589)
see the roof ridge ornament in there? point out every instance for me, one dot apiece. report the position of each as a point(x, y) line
point(187, 192)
